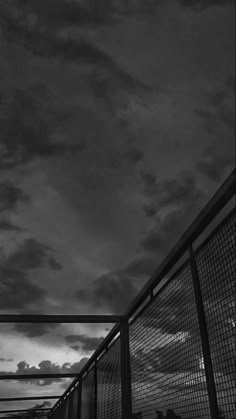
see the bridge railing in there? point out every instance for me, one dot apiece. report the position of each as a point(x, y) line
point(172, 352)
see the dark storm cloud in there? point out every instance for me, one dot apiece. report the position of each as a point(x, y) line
point(167, 201)
point(214, 166)
point(110, 83)
point(10, 196)
point(230, 83)
point(43, 39)
point(112, 292)
point(181, 192)
point(141, 265)
point(83, 342)
point(17, 291)
point(6, 225)
point(31, 254)
point(203, 4)
point(34, 330)
point(167, 231)
point(47, 367)
point(219, 106)
point(149, 182)
point(133, 155)
point(28, 119)
point(53, 264)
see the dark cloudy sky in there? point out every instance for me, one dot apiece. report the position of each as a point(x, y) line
point(112, 137)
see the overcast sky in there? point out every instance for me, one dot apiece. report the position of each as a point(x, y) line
point(113, 137)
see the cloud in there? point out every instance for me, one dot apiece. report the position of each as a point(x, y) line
point(43, 405)
point(84, 342)
point(133, 155)
point(47, 367)
point(29, 121)
point(169, 200)
point(31, 254)
point(17, 290)
point(34, 330)
point(169, 195)
point(141, 265)
point(215, 166)
point(203, 4)
point(10, 196)
point(219, 106)
point(112, 291)
point(6, 225)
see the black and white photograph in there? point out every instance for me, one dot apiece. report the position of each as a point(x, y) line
point(117, 209)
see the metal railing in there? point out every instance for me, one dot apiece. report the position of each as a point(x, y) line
point(173, 350)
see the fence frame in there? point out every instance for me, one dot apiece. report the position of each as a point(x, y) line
point(185, 245)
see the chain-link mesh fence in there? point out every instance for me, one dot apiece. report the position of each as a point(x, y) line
point(166, 354)
point(88, 396)
point(216, 268)
point(109, 384)
point(174, 368)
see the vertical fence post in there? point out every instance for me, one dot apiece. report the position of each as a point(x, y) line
point(204, 338)
point(126, 395)
point(70, 409)
point(79, 413)
point(95, 390)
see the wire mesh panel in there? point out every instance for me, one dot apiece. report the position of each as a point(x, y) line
point(166, 369)
point(74, 404)
point(66, 409)
point(58, 414)
point(109, 384)
point(88, 396)
point(216, 268)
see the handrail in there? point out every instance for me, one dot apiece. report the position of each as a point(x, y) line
point(19, 399)
point(36, 376)
point(209, 212)
point(40, 318)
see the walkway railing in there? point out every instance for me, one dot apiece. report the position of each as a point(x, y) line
point(173, 350)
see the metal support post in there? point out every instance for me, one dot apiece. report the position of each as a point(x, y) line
point(95, 390)
point(79, 413)
point(204, 338)
point(126, 390)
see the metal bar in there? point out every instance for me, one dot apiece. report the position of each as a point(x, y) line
point(26, 411)
point(26, 415)
point(126, 395)
point(38, 318)
point(79, 413)
point(19, 399)
point(204, 338)
point(70, 408)
point(209, 212)
point(95, 390)
point(36, 376)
